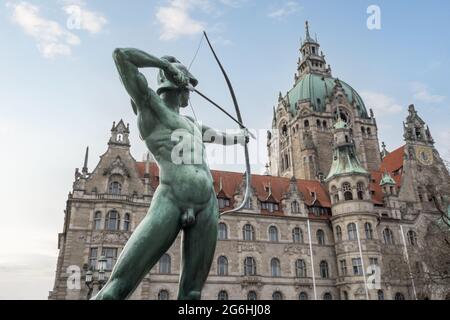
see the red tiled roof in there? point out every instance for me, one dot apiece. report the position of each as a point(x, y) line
point(392, 164)
point(232, 180)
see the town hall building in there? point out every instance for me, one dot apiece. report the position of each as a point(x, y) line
point(334, 217)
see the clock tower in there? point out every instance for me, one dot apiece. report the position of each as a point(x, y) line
point(425, 177)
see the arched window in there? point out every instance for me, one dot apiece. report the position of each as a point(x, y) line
point(223, 231)
point(297, 235)
point(126, 222)
point(284, 130)
point(112, 221)
point(360, 190)
point(369, 231)
point(163, 295)
point(327, 296)
point(249, 266)
point(252, 295)
point(300, 268)
point(324, 124)
point(368, 131)
point(320, 237)
point(303, 296)
point(399, 296)
point(249, 232)
point(273, 234)
point(351, 230)
point(165, 264)
point(324, 269)
point(388, 236)
point(380, 294)
point(295, 207)
point(277, 295)
point(363, 131)
point(275, 267)
point(97, 220)
point(223, 295)
point(318, 123)
point(338, 233)
point(412, 238)
point(345, 295)
point(115, 187)
point(222, 266)
point(306, 124)
point(347, 189)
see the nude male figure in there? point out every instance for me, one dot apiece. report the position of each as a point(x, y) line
point(185, 198)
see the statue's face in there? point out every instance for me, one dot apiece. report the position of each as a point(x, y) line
point(184, 98)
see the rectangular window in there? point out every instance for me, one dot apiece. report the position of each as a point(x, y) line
point(343, 265)
point(111, 255)
point(93, 258)
point(373, 261)
point(357, 267)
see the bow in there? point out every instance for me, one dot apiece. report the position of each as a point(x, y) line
point(238, 121)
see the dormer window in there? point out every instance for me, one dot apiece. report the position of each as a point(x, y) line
point(223, 202)
point(269, 206)
point(115, 187)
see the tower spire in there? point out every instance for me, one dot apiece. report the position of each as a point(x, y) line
point(85, 165)
point(312, 59)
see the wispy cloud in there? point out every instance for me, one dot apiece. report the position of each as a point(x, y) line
point(422, 93)
point(381, 103)
point(80, 17)
point(175, 18)
point(51, 38)
point(286, 9)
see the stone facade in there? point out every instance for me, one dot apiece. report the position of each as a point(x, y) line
point(332, 209)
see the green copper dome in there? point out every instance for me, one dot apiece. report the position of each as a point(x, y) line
point(316, 88)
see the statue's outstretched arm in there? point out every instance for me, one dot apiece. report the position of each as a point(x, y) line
point(211, 135)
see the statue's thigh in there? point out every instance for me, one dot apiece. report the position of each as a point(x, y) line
point(153, 236)
point(199, 244)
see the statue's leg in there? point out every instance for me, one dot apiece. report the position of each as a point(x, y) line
point(199, 244)
point(151, 239)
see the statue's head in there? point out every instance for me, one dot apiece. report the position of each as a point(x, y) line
point(166, 84)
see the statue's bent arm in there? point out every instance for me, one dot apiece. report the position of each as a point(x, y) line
point(128, 60)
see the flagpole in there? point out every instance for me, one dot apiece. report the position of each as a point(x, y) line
point(312, 260)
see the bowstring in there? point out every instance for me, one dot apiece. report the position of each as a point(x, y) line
point(189, 69)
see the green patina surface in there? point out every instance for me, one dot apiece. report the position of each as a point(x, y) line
point(316, 88)
point(386, 179)
point(340, 124)
point(345, 162)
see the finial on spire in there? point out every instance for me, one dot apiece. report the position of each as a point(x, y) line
point(85, 165)
point(307, 29)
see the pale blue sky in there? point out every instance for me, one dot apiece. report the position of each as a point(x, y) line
point(60, 90)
